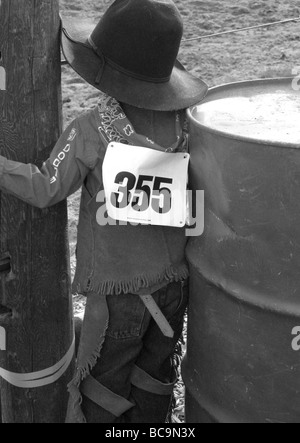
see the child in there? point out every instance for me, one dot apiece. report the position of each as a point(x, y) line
point(134, 277)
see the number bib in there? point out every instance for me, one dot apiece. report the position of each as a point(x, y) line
point(145, 186)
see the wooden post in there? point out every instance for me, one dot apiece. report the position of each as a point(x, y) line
point(35, 295)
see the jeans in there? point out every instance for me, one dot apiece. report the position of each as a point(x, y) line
point(134, 339)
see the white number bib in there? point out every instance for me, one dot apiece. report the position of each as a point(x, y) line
point(145, 186)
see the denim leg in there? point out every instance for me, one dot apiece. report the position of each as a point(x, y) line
point(123, 343)
point(133, 338)
point(156, 355)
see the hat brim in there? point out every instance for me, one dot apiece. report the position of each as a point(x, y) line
point(181, 91)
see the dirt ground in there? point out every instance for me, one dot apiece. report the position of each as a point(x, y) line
point(263, 53)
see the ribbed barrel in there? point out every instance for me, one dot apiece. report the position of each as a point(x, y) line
point(240, 365)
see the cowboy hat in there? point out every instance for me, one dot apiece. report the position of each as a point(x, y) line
point(131, 55)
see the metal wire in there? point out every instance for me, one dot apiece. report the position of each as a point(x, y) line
point(241, 29)
point(232, 31)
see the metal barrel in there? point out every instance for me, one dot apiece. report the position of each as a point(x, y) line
point(242, 363)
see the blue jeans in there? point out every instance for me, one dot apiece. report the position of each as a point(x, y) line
point(134, 339)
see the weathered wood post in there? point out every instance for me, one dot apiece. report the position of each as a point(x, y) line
point(36, 329)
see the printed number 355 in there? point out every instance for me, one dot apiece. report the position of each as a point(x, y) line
point(141, 192)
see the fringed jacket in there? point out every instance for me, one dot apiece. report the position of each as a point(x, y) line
point(111, 258)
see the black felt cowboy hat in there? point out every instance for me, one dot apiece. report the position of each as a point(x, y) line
point(131, 55)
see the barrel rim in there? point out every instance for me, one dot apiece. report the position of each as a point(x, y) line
point(226, 86)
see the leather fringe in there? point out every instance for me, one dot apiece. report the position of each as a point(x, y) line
point(131, 286)
point(87, 359)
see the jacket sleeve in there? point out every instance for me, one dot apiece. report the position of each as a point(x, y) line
point(60, 176)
